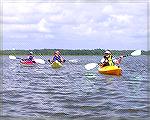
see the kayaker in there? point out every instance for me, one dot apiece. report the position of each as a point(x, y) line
point(31, 57)
point(57, 56)
point(108, 60)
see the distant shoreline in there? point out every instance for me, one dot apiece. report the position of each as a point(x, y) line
point(68, 52)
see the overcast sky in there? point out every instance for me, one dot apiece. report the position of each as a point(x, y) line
point(77, 25)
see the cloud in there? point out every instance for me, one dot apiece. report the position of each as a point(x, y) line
point(42, 26)
point(10, 19)
point(94, 22)
point(122, 18)
point(48, 8)
point(107, 9)
point(19, 28)
point(84, 29)
point(16, 8)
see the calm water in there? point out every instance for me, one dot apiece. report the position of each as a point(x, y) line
point(72, 92)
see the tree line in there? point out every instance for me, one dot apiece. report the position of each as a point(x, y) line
point(68, 52)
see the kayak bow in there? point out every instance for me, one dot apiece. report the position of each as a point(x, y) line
point(110, 70)
point(56, 65)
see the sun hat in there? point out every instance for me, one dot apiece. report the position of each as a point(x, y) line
point(31, 53)
point(107, 52)
point(57, 52)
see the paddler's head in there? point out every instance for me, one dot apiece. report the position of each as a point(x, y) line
point(57, 52)
point(31, 53)
point(107, 54)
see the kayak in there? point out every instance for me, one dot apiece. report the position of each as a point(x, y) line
point(110, 70)
point(56, 65)
point(27, 63)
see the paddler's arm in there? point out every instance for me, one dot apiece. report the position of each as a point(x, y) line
point(51, 61)
point(118, 60)
point(62, 59)
point(102, 62)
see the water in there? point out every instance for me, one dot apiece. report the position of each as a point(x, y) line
point(72, 92)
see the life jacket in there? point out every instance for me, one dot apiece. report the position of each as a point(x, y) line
point(110, 61)
point(58, 58)
point(30, 57)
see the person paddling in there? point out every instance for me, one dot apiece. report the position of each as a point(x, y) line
point(108, 60)
point(30, 58)
point(57, 56)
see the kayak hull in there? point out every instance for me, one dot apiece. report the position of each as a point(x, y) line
point(110, 70)
point(56, 65)
point(27, 63)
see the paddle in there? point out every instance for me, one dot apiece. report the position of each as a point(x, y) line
point(13, 57)
point(136, 53)
point(39, 61)
point(36, 60)
point(72, 61)
point(90, 66)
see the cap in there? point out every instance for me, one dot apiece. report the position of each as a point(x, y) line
point(57, 52)
point(107, 52)
point(31, 52)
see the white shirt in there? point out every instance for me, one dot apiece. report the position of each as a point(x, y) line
point(113, 59)
point(103, 60)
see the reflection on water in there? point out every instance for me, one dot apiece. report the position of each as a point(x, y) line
point(73, 92)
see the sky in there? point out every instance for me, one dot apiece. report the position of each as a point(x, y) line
point(74, 25)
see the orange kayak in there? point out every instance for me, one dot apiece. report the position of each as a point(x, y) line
point(110, 70)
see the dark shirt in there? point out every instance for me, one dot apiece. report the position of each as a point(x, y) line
point(58, 58)
point(30, 57)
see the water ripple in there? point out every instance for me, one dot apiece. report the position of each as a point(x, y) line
point(74, 93)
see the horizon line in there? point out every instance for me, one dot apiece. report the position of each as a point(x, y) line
point(72, 49)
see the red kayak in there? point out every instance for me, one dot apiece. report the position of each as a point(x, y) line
point(27, 62)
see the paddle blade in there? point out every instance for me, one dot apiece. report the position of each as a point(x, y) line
point(12, 57)
point(90, 66)
point(136, 53)
point(39, 61)
point(73, 61)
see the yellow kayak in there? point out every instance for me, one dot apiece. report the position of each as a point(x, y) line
point(56, 64)
point(110, 70)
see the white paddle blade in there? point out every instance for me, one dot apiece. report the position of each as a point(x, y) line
point(136, 53)
point(90, 66)
point(73, 61)
point(12, 57)
point(39, 61)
